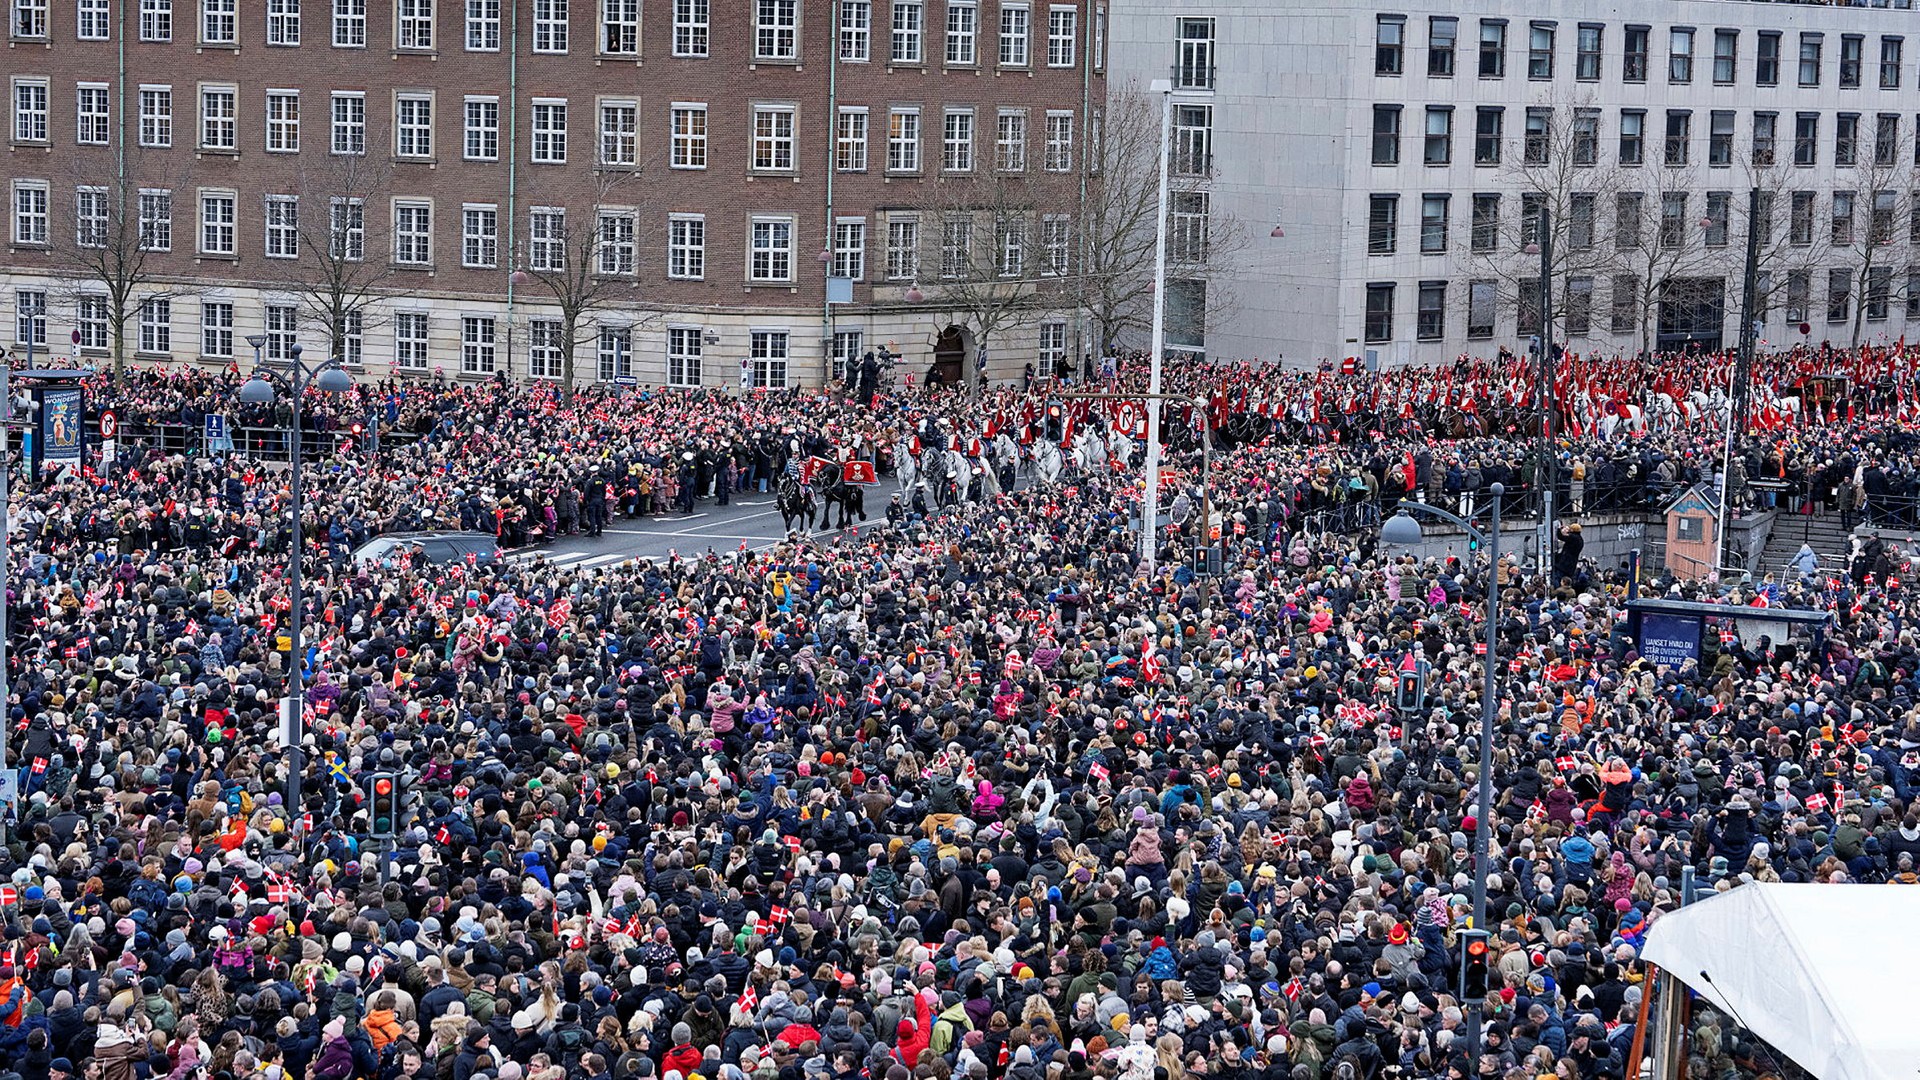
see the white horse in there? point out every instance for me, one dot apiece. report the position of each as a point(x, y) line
point(1611, 422)
point(1047, 462)
point(906, 466)
point(1663, 411)
point(1089, 453)
point(1119, 450)
point(1715, 406)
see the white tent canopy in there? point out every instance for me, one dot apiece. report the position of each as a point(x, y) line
point(1822, 972)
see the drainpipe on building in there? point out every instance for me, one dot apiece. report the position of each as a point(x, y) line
point(513, 160)
point(1082, 325)
point(120, 108)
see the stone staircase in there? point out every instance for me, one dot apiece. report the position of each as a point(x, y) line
point(1823, 531)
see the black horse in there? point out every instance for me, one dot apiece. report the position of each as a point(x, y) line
point(796, 503)
point(850, 498)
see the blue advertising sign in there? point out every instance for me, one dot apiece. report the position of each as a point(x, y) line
point(60, 426)
point(1670, 639)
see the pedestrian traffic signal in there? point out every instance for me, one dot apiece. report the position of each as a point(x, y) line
point(1055, 422)
point(1474, 958)
point(384, 791)
point(1410, 691)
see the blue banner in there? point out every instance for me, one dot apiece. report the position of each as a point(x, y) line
point(60, 426)
point(1670, 639)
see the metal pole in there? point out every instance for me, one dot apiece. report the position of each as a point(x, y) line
point(1150, 498)
point(1545, 473)
point(1489, 714)
point(295, 675)
point(1749, 301)
point(1206, 499)
point(6, 575)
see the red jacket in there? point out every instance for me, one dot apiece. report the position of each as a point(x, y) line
point(684, 1059)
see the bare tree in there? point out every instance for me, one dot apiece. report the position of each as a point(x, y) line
point(585, 263)
point(119, 226)
point(1863, 233)
point(1791, 248)
point(335, 255)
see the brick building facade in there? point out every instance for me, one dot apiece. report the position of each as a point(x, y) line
point(724, 159)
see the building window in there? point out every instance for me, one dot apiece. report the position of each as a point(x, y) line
point(856, 30)
point(156, 220)
point(219, 119)
point(1016, 35)
point(956, 154)
point(1579, 305)
point(90, 217)
point(1537, 145)
point(476, 344)
point(349, 123)
point(684, 347)
point(1493, 49)
point(1765, 134)
point(549, 131)
point(547, 240)
point(850, 140)
point(544, 348)
point(956, 247)
point(1846, 139)
point(1810, 59)
point(283, 226)
point(1010, 141)
point(1633, 124)
point(620, 133)
point(773, 138)
point(1800, 219)
point(156, 116)
point(1379, 317)
point(1063, 36)
point(413, 234)
point(1586, 136)
point(1628, 207)
point(615, 353)
point(850, 248)
point(1433, 224)
point(1059, 148)
point(550, 26)
point(283, 21)
point(687, 247)
point(963, 32)
point(1383, 224)
point(410, 341)
point(909, 22)
point(1531, 204)
point(1839, 294)
point(1633, 54)
point(903, 248)
point(93, 114)
point(689, 136)
point(1430, 320)
point(349, 24)
point(1680, 55)
point(30, 18)
point(1389, 44)
point(1587, 52)
point(216, 329)
point(692, 28)
point(1486, 223)
point(1886, 139)
point(1726, 53)
point(1052, 351)
point(156, 20)
point(480, 237)
point(1766, 63)
point(1489, 122)
point(1625, 313)
point(769, 354)
point(1890, 50)
point(1187, 226)
point(219, 20)
point(1482, 301)
point(1879, 291)
point(346, 229)
point(1581, 211)
point(1673, 220)
point(1806, 138)
point(1719, 204)
point(1010, 245)
point(94, 20)
point(1056, 239)
point(482, 129)
point(1193, 54)
point(1880, 218)
point(620, 27)
point(1540, 51)
point(217, 224)
point(283, 121)
point(1439, 142)
point(617, 253)
point(903, 140)
point(1720, 139)
point(413, 128)
point(90, 320)
point(30, 111)
point(156, 326)
point(483, 25)
point(1386, 137)
point(776, 30)
point(1799, 294)
point(1443, 33)
point(1851, 46)
point(413, 24)
point(771, 258)
point(30, 317)
point(1842, 224)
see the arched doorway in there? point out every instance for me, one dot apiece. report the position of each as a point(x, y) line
point(949, 358)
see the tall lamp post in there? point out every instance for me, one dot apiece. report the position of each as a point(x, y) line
point(1402, 530)
point(263, 388)
point(1546, 472)
point(1150, 499)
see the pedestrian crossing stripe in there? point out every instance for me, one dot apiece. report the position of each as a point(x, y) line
point(578, 559)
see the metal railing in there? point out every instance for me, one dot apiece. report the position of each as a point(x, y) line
point(270, 444)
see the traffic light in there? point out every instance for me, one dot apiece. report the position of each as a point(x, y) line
point(1055, 428)
point(1410, 691)
point(1475, 960)
point(383, 803)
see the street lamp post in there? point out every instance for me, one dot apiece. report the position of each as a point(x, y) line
point(1403, 530)
point(1546, 472)
point(263, 388)
point(1149, 503)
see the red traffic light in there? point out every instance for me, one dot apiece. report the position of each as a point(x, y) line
point(1477, 947)
point(383, 786)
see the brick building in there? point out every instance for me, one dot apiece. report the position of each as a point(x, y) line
point(724, 164)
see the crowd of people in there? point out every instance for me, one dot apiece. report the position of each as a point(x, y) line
point(973, 791)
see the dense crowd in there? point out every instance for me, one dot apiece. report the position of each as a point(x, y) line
point(971, 792)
